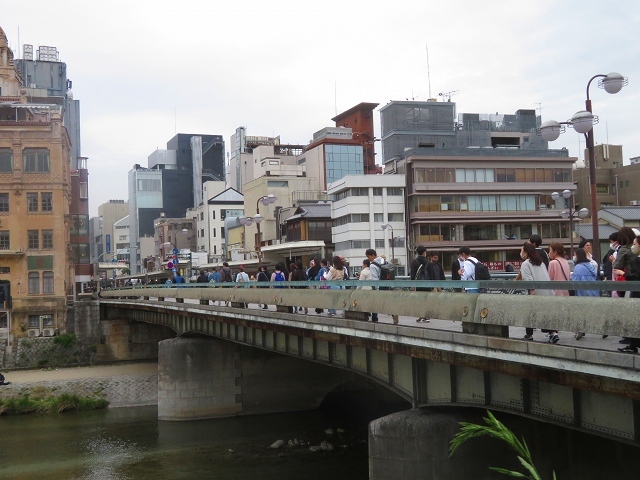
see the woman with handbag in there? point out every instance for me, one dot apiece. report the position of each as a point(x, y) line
point(533, 270)
point(559, 271)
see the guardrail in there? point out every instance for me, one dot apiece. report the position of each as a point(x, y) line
point(480, 313)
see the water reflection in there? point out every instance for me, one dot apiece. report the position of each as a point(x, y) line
point(128, 444)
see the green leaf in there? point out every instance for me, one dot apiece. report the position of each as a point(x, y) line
point(508, 472)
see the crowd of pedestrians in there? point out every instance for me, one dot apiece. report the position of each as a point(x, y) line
point(621, 262)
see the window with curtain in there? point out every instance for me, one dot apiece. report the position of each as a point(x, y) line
point(34, 283)
point(47, 282)
point(35, 160)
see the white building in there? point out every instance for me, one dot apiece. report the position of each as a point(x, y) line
point(219, 203)
point(362, 205)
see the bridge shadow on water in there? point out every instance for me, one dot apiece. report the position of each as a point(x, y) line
point(355, 404)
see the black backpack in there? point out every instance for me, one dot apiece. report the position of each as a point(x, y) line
point(422, 273)
point(481, 271)
point(387, 270)
point(227, 276)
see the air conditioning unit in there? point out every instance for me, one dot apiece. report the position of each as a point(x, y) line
point(34, 332)
point(395, 261)
point(48, 332)
point(634, 203)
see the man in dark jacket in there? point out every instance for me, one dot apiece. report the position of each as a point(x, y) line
point(434, 269)
point(419, 271)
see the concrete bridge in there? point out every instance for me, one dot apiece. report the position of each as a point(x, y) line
point(239, 360)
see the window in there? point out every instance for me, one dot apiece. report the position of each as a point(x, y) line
point(32, 202)
point(201, 215)
point(6, 160)
point(33, 236)
point(378, 217)
point(396, 217)
point(80, 225)
point(34, 283)
point(277, 183)
point(202, 233)
point(213, 214)
point(47, 239)
point(47, 282)
point(214, 233)
point(35, 160)
point(394, 191)
point(81, 253)
point(47, 201)
point(221, 232)
point(377, 192)
point(34, 321)
point(83, 190)
point(5, 243)
point(149, 185)
point(4, 202)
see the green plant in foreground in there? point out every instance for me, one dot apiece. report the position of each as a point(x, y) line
point(496, 429)
point(66, 340)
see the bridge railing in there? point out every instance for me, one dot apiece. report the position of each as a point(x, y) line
point(481, 313)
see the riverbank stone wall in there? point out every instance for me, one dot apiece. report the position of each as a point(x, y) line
point(119, 391)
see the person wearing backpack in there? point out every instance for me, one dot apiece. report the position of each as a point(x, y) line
point(468, 266)
point(419, 272)
point(279, 275)
point(226, 276)
point(263, 276)
point(378, 272)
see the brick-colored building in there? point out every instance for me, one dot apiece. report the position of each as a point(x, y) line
point(35, 191)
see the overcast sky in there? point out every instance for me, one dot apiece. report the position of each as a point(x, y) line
point(146, 69)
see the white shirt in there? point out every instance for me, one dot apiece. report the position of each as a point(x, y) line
point(469, 268)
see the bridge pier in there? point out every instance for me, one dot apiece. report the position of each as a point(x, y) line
point(197, 379)
point(414, 444)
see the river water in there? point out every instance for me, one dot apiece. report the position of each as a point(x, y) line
point(130, 443)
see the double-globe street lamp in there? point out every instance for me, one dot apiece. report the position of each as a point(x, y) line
point(265, 200)
point(582, 122)
point(582, 213)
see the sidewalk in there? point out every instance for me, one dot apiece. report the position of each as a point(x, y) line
point(31, 376)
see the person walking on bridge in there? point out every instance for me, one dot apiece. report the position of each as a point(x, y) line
point(420, 271)
point(584, 271)
point(533, 270)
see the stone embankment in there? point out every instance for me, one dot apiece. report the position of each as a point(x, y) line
point(123, 385)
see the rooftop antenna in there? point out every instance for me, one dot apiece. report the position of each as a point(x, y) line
point(448, 95)
point(428, 71)
point(539, 108)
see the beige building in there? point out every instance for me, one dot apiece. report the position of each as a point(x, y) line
point(35, 191)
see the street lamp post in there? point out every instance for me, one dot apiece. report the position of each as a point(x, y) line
point(582, 213)
point(582, 122)
point(393, 250)
point(266, 200)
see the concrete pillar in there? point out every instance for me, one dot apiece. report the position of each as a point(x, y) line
point(414, 444)
point(197, 378)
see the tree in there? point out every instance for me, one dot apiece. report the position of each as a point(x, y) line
point(496, 429)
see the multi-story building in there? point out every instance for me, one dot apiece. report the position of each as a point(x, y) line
point(172, 183)
point(35, 194)
point(362, 204)
point(45, 81)
point(102, 240)
point(489, 199)
point(209, 218)
point(360, 120)
point(242, 159)
point(407, 125)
